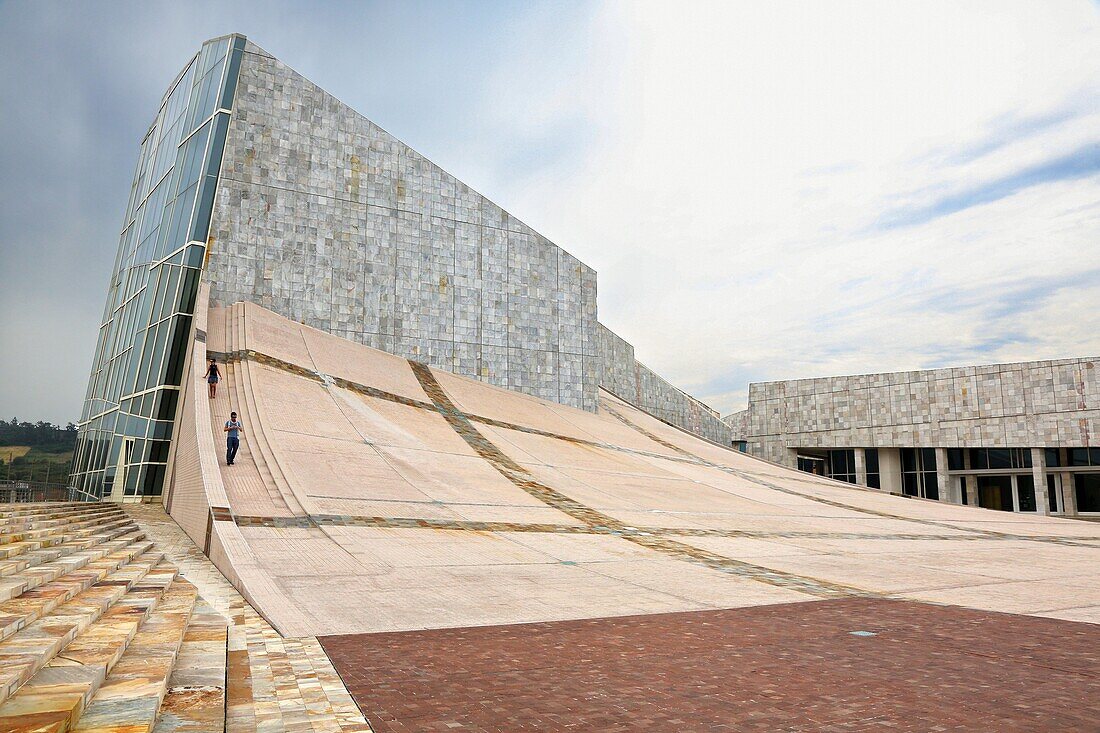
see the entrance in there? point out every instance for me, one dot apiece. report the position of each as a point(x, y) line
point(1009, 493)
point(995, 492)
point(118, 488)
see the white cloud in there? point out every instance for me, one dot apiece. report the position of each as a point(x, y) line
point(743, 154)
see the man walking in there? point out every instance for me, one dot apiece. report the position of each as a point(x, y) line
point(232, 441)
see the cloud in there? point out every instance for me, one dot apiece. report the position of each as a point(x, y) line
point(1079, 163)
point(790, 190)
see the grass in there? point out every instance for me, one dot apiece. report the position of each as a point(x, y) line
point(33, 463)
point(11, 452)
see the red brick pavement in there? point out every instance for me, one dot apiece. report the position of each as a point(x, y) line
point(789, 667)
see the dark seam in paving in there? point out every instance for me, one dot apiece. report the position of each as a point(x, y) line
point(683, 456)
point(473, 525)
point(678, 550)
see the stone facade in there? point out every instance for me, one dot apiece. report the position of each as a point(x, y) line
point(1040, 403)
point(324, 217)
point(627, 378)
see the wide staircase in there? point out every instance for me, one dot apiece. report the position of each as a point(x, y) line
point(98, 631)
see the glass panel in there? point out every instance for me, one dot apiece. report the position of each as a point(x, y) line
point(871, 457)
point(1051, 456)
point(995, 492)
point(1087, 489)
point(177, 350)
point(1025, 491)
point(232, 73)
point(955, 459)
point(978, 459)
point(928, 459)
point(931, 485)
point(166, 404)
point(999, 458)
point(1052, 494)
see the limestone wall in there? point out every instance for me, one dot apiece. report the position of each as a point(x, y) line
point(327, 219)
point(1040, 403)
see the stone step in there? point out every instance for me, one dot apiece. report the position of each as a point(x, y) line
point(54, 698)
point(35, 558)
point(9, 511)
point(15, 549)
point(15, 525)
point(78, 522)
point(16, 585)
point(17, 522)
point(33, 604)
point(195, 701)
point(27, 651)
point(130, 698)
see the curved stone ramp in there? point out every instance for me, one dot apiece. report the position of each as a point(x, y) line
point(101, 632)
point(375, 494)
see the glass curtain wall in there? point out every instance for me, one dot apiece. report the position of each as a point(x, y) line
point(133, 389)
point(918, 473)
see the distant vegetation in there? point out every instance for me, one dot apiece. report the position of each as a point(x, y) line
point(37, 451)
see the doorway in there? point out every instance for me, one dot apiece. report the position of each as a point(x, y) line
point(995, 492)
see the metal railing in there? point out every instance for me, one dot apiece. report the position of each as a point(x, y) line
point(12, 492)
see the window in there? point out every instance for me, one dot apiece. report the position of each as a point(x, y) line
point(1000, 458)
point(1054, 499)
point(955, 459)
point(1052, 457)
point(842, 465)
point(918, 472)
point(811, 464)
point(1083, 457)
point(1025, 493)
point(1087, 487)
point(741, 445)
point(874, 480)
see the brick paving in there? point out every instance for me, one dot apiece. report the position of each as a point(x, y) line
point(788, 667)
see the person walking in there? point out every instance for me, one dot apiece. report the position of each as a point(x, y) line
point(213, 376)
point(232, 441)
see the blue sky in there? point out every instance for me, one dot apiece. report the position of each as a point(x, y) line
point(768, 190)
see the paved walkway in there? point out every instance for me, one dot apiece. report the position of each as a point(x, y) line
point(843, 665)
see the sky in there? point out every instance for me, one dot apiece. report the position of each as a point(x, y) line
point(768, 190)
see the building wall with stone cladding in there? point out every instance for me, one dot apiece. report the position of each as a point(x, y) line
point(1025, 404)
point(327, 219)
point(627, 378)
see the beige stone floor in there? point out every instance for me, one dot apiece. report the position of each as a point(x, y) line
point(380, 497)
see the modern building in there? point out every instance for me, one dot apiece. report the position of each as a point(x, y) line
point(266, 187)
point(1017, 437)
